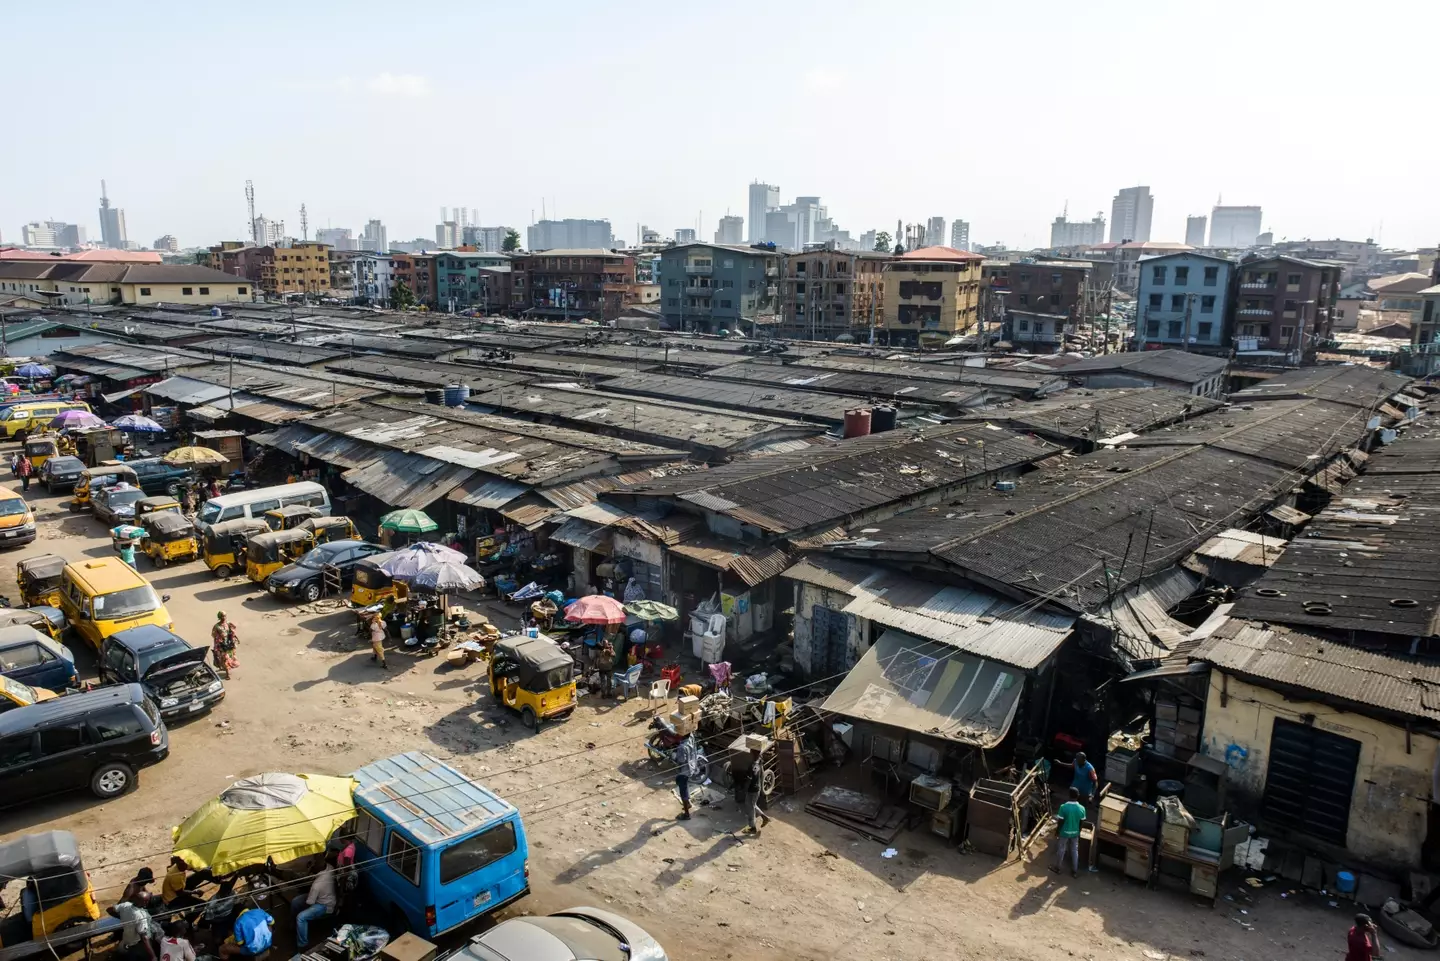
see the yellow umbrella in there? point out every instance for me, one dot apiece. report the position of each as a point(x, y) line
point(280, 816)
point(185, 456)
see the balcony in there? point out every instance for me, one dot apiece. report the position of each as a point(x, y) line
point(1258, 285)
point(704, 270)
point(695, 290)
point(1256, 311)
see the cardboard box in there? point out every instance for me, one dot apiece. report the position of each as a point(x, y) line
point(755, 742)
point(689, 704)
point(408, 947)
point(682, 723)
point(1112, 813)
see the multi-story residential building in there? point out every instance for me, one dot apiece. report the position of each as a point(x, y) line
point(1284, 304)
point(1400, 292)
point(302, 268)
point(374, 238)
point(1422, 359)
point(374, 275)
point(1077, 233)
point(931, 294)
point(1234, 226)
point(959, 236)
point(935, 232)
point(1195, 230)
point(1041, 298)
point(571, 283)
point(79, 282)
point(167, 243)
point(1184, 301)
point(1127, 261)
point(1130, 215)
point(731, 230)
point(342, 273)
point(457, 278)
point(112, 222)
point(339, 238)
point(708, 287)
point(1358, 258)
point(495, 290)
point(685, 235)
point(763, 199)
point(570, 234)
point(825, 292)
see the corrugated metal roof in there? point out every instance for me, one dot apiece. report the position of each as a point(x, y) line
point(1286, 655)
point(597, 513)
point(1246, 547)
point(186, 390)
point(426, 798)
point(583, 534)
point(485, 491)
point(753, 566)
point(1140, 617)
point(529, 512)
point(407, 480)
point(831, 573)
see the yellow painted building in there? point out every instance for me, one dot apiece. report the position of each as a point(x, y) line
point(931, 294)
point(1330, 744)
point(81, 283)
point(303, 268)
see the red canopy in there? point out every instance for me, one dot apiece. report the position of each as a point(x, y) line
point(596, 609)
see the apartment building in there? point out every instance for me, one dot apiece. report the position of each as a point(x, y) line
point(1128, 257)
point(301, 268)
point(825, 292)
point(1284, 305)
point(931, 294)
point(1042, 298)
point(457, 278)
point(571, 283)
point(1184, 301)
point(713, 287)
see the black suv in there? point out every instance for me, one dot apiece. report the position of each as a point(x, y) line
point(99, 739)
point(158, 477)
point(304, 579)
point(60, 473)
point(173, 673)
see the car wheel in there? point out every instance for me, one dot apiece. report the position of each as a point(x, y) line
point(112, 780)
point(173, 490)
point(223, 571)
point(312, 592)
point(398, 922)
point(159, 560)
point(529, 719)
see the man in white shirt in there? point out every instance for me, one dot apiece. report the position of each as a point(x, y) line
point(319, 902)
point(136, 934)
point(175, 946)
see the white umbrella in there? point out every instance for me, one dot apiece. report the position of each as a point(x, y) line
point(422, 555)
point(448, 576)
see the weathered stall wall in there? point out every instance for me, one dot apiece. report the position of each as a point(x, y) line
point(857, 639)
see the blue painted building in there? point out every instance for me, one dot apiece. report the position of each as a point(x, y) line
point(1183, 301)
point(458, 279)
point(713, 287)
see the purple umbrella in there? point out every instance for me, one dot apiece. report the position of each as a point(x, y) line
point(73, 419)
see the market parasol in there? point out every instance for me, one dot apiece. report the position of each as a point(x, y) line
point(279, 816)
point(448, 576)
point(138, 423)
point(408, 521)
point(76, 419)
point(33, 370)
point(652, 611)
point(409, 561)
point(596, 609)
point(191, 456)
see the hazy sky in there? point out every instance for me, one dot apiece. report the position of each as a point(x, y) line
point(997, 113)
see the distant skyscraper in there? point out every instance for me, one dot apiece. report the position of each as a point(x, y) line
point(490, 240)
point(914, 237)
point(112, 222)
point(935, 232)
point(1195, 230)
point(373, 237)
point(867, 240)
point(1077, 233)
point(1130, 215)
point(731, 230)
point(571, 234)
point(763, 199)
point(448, 234)
point(269, 232)
point(167, 243)
point(340, 238)
point(1234, 226)
point(959, 235)
point(684, 235)
point(36, 234)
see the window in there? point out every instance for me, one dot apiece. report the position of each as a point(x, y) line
point(1285, 332)
point(17, 750)
point(187, 291)
point(1207, 304)
point(1176, 330)
point(800, 287)
point(1182, 276)
point(1157, 301)
point(1212, 276)
point(1292, 280)
point(475, 853)
point(116, 722)
point(1152, 328)
point(727, 263)
point(1039, 326)
point(1024, 325)
point(144, 291)
point(1024, 278)
point(1177, 302)
point(673, 302)
point(58, 740)
point(1203, 329)
point(1056, 279)
point(727, 283)
point(1024, 299)
point(1248, 330)
point(204, 291)
point(369, 831)
point(26, 655)
point(1265, 331)
point(404, 858)
point(724, 303)
point(1157, 275)
point(1055, 300)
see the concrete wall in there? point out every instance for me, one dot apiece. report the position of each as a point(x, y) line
point(807, 596)
point(223, 292)
point(1389, 808)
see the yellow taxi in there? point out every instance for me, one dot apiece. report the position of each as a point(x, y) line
point(17, 520)
point(102, 596)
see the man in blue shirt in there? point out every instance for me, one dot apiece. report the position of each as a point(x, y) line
point(1086, 781)
point(1069, 817)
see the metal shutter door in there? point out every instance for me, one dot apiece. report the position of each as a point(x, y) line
point(1310, 780)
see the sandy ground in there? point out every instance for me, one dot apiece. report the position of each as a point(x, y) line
point(600, 819)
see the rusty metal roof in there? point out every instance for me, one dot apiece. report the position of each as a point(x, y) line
point(752, 565)
point(1093, 415)
point(1357, 386)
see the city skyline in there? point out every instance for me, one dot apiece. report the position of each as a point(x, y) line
point(187, 180)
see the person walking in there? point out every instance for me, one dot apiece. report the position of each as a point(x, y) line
point(25, 469)
point(1071, 813)
point(224, 639)
point(1363, 941)
point(687, 765)
point(127, 552)
point(750, 780)
point(315, 904)
point(377, 639)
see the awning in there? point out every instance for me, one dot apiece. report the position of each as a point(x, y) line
point(929, 688)
point(397, 479)
point(487, 492)
point(529, 511)
point(118, 395)
point(752, 567)
point(583, 534)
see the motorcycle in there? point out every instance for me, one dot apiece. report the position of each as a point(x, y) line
point(661, 748)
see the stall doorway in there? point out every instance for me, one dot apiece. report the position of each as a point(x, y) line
point(1310, 781)
point(829, 634)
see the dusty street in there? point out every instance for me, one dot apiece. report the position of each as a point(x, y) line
point(600, 819)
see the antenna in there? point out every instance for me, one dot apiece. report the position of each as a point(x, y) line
point(304, 224)
point(250, 201)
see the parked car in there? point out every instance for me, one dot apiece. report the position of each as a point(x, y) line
point(115, 505)
point(172, 672)
point(36, 659)
point(579, 934)
point(17, 520)
point(97, 739)
point(60, 473)
point(304, 579)
point(158, 477)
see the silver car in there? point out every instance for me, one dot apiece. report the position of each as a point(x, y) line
point(577, 934)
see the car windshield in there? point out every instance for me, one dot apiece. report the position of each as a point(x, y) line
point(65, 465)
point(133, 600)
point(209, 513)
point(12, 505)
point(316, 558)
point(161, 651)
point(121, 498)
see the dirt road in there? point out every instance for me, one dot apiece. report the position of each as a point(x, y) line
point(600, 819)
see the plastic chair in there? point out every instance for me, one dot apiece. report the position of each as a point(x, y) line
point(659, 691)
point(629, 680)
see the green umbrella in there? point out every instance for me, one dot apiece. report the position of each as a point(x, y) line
point(652, 611)
point(408, 522)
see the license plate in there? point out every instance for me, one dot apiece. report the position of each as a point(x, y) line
point(482, 898)
point(198, 705)
point(272, 588)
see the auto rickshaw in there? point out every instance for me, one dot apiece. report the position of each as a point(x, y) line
point(533, 675)
point(57, 893)
point(15, 694)
point(94, 478)
point(267, 552)
point(169, 537)
point(327, 529)
point(46, 619)
point(39, 579)
point(372, 585)
point(291, 515)
point(152, 505)
point(40, 448)
point(224, 544)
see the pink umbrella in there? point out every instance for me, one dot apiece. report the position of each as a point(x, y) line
point(596, 609)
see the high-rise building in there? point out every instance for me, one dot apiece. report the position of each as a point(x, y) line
point(959, 235)
point(68, 235)
point(373, 237)
point(914, 237)
point(490, 240)
point(1195, 230)
point(1077, 233)
point(649, 235)
point(340, 238)
point(1234, 226)
point(269, 233)
point(731, 230)
point(867, 239)
point(167, 243)
point(763, 199)
point(447, 235)
point(570, 234)
point(112, 222)
point(685, 235)
point(36, 234)
point(935, 232)
point(1130, 215)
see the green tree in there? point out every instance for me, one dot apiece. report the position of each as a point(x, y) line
point(512, 241)
point(882, 242)
point(401, 296)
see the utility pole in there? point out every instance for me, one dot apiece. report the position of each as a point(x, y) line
point(1185, 338)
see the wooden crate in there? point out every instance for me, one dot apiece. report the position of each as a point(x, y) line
point(1138, 863)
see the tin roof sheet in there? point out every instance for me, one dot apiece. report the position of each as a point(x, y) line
point(583, 534)
point(427, 799)
point(753, 565)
